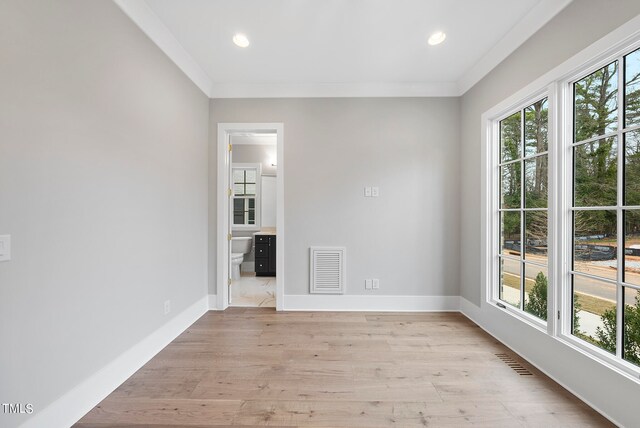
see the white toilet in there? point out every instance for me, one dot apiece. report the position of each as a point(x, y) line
point(240, 245)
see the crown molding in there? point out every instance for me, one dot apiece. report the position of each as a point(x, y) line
point(533, 21)
point(144, 17)
point(333, 90)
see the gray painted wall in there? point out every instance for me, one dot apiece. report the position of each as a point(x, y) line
point(333, 148)
point(257, 153)
point(576, 27)
point(103, 187)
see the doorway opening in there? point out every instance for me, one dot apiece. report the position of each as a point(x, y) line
point(250, 258)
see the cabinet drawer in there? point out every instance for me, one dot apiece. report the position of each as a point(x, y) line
point(262, 239)
point(262, 265)
point(262, 250)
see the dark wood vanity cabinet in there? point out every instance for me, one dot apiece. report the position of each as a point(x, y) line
point(265, 255)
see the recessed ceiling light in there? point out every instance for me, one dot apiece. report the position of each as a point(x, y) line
point(241, 40)
point(437, 38)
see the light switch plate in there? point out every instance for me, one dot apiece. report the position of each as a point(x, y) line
point(376, 284)
point(367, 192)
point(375, 192)
point(5, 248)
point(367, 284)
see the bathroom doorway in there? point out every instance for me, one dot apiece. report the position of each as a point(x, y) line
point(250, 225)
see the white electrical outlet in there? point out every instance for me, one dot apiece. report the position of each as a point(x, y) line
point(367, 192)
point(375, 192)
point(167, 306)
point(376, 284)
point(368, 284)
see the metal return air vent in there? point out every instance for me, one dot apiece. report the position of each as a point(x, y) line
point(515, 365)
point(327, 273)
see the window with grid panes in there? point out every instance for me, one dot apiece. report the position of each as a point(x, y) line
point(245, 190)
point(523, 178)
point(605, 208)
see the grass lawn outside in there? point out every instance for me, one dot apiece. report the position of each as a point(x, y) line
point(592, 304)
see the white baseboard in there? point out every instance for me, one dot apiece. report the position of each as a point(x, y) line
point(73, 405)
point(470, 310)
point(347, 302)
point(607, 386)
point(212, 302)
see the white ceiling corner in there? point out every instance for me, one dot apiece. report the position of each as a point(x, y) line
point(523, 30)
point(201, 50)
point(144, 17)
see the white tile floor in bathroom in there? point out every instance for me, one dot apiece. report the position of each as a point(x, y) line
point(254, 291)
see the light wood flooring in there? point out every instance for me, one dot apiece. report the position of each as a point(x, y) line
point(256, 367)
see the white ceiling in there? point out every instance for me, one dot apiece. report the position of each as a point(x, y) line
point(338, 47)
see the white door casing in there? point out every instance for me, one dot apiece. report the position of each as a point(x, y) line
point(224, 208)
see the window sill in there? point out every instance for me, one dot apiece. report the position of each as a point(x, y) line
point(601, 356)
point(520, 315)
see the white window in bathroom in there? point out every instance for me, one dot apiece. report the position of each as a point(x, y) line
point(246, 196)
point(522, 177)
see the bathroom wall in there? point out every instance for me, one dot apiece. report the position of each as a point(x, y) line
point(333, 148)
point(269, 192)
point(103, 189)
point(264, 154)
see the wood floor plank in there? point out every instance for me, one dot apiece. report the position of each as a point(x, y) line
point(331, 413)
point(129, 425)
point(316, 388)
point(161, 383)
point(176, 412)
point(256, 367)
point(373, 414)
